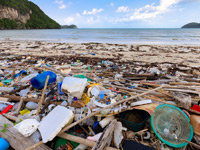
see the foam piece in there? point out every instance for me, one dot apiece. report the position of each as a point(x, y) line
point(74, 86)
point(27, 127)
point(52, 124)
point(106, 121)
point(118, 137)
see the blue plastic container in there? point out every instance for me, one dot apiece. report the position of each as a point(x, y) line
point(38, 82)
point(21, 72)
point(4, 145)
point(59, 88)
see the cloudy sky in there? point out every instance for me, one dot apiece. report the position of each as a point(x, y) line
point(122, 13)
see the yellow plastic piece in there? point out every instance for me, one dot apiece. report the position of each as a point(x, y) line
point(94, 84)
point(43, 62)
point(86, 98)
point(25, 111)
point(1, 84)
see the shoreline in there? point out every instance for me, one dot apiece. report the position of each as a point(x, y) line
point(101, 42)
point(186, 54)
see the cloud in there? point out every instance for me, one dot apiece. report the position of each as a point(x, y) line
point(62, 5)
point(148, 11)
point(123, 9)
point(94, 11)
point(78, 15)
point(69, 20)
point(112, 4)
point(190, 1)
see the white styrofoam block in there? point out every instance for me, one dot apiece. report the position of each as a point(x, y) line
point(75, 86)
point(27, 127)
point(52, 124)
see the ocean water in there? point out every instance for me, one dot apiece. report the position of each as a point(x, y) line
point(123, 36)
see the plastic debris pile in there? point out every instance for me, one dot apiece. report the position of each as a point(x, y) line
point(90, 103)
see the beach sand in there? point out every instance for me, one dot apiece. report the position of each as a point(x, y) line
point(187, 55)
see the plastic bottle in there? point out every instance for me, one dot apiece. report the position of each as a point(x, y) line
point(6, 89)
point(39, 81)
point(27, 78)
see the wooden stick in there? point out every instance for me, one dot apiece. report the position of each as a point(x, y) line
point(13, 118)
point(20, 105)
point(124, 88)
point(81, 140)
point(13, 73)
point(90, 75)
point(42, 98)
point(180, 90)
point(91, 130)
point(85, 130)
point(183, 83)
point(191, 143)
point(109, 106)
point(35, 145)
point(165, 93)
point(17, 99)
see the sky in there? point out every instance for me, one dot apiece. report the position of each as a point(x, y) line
point(122, 13)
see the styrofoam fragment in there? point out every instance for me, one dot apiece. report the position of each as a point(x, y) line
point(27, 127)
point(52, 124)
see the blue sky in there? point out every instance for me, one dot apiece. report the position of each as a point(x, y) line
point(122, 13)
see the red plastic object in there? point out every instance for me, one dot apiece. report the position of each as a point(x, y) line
point(196, 107)
point(6, 109)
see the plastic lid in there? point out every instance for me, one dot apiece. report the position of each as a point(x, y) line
point(171, 125)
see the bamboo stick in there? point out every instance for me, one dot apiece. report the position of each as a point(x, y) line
point(42, 98)
point(81, 140)
point(183, 83)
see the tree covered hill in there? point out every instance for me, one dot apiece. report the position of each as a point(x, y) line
point(69, 26)
point(192, 25)
point(37, 19)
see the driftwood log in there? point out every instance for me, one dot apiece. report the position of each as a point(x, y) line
point(106, 136)
point(15, 139)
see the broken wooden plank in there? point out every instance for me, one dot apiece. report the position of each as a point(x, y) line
point(4, 99)
point(106, 136)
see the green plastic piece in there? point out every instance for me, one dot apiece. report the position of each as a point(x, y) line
point(82, 77)
point(62, 141)
point(171, 124)
point(89, 68)
point(7, 81)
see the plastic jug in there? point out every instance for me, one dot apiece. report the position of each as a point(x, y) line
point(38, 82)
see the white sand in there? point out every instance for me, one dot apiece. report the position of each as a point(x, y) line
point(189, 55)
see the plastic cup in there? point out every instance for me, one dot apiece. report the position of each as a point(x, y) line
point(4, 145)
